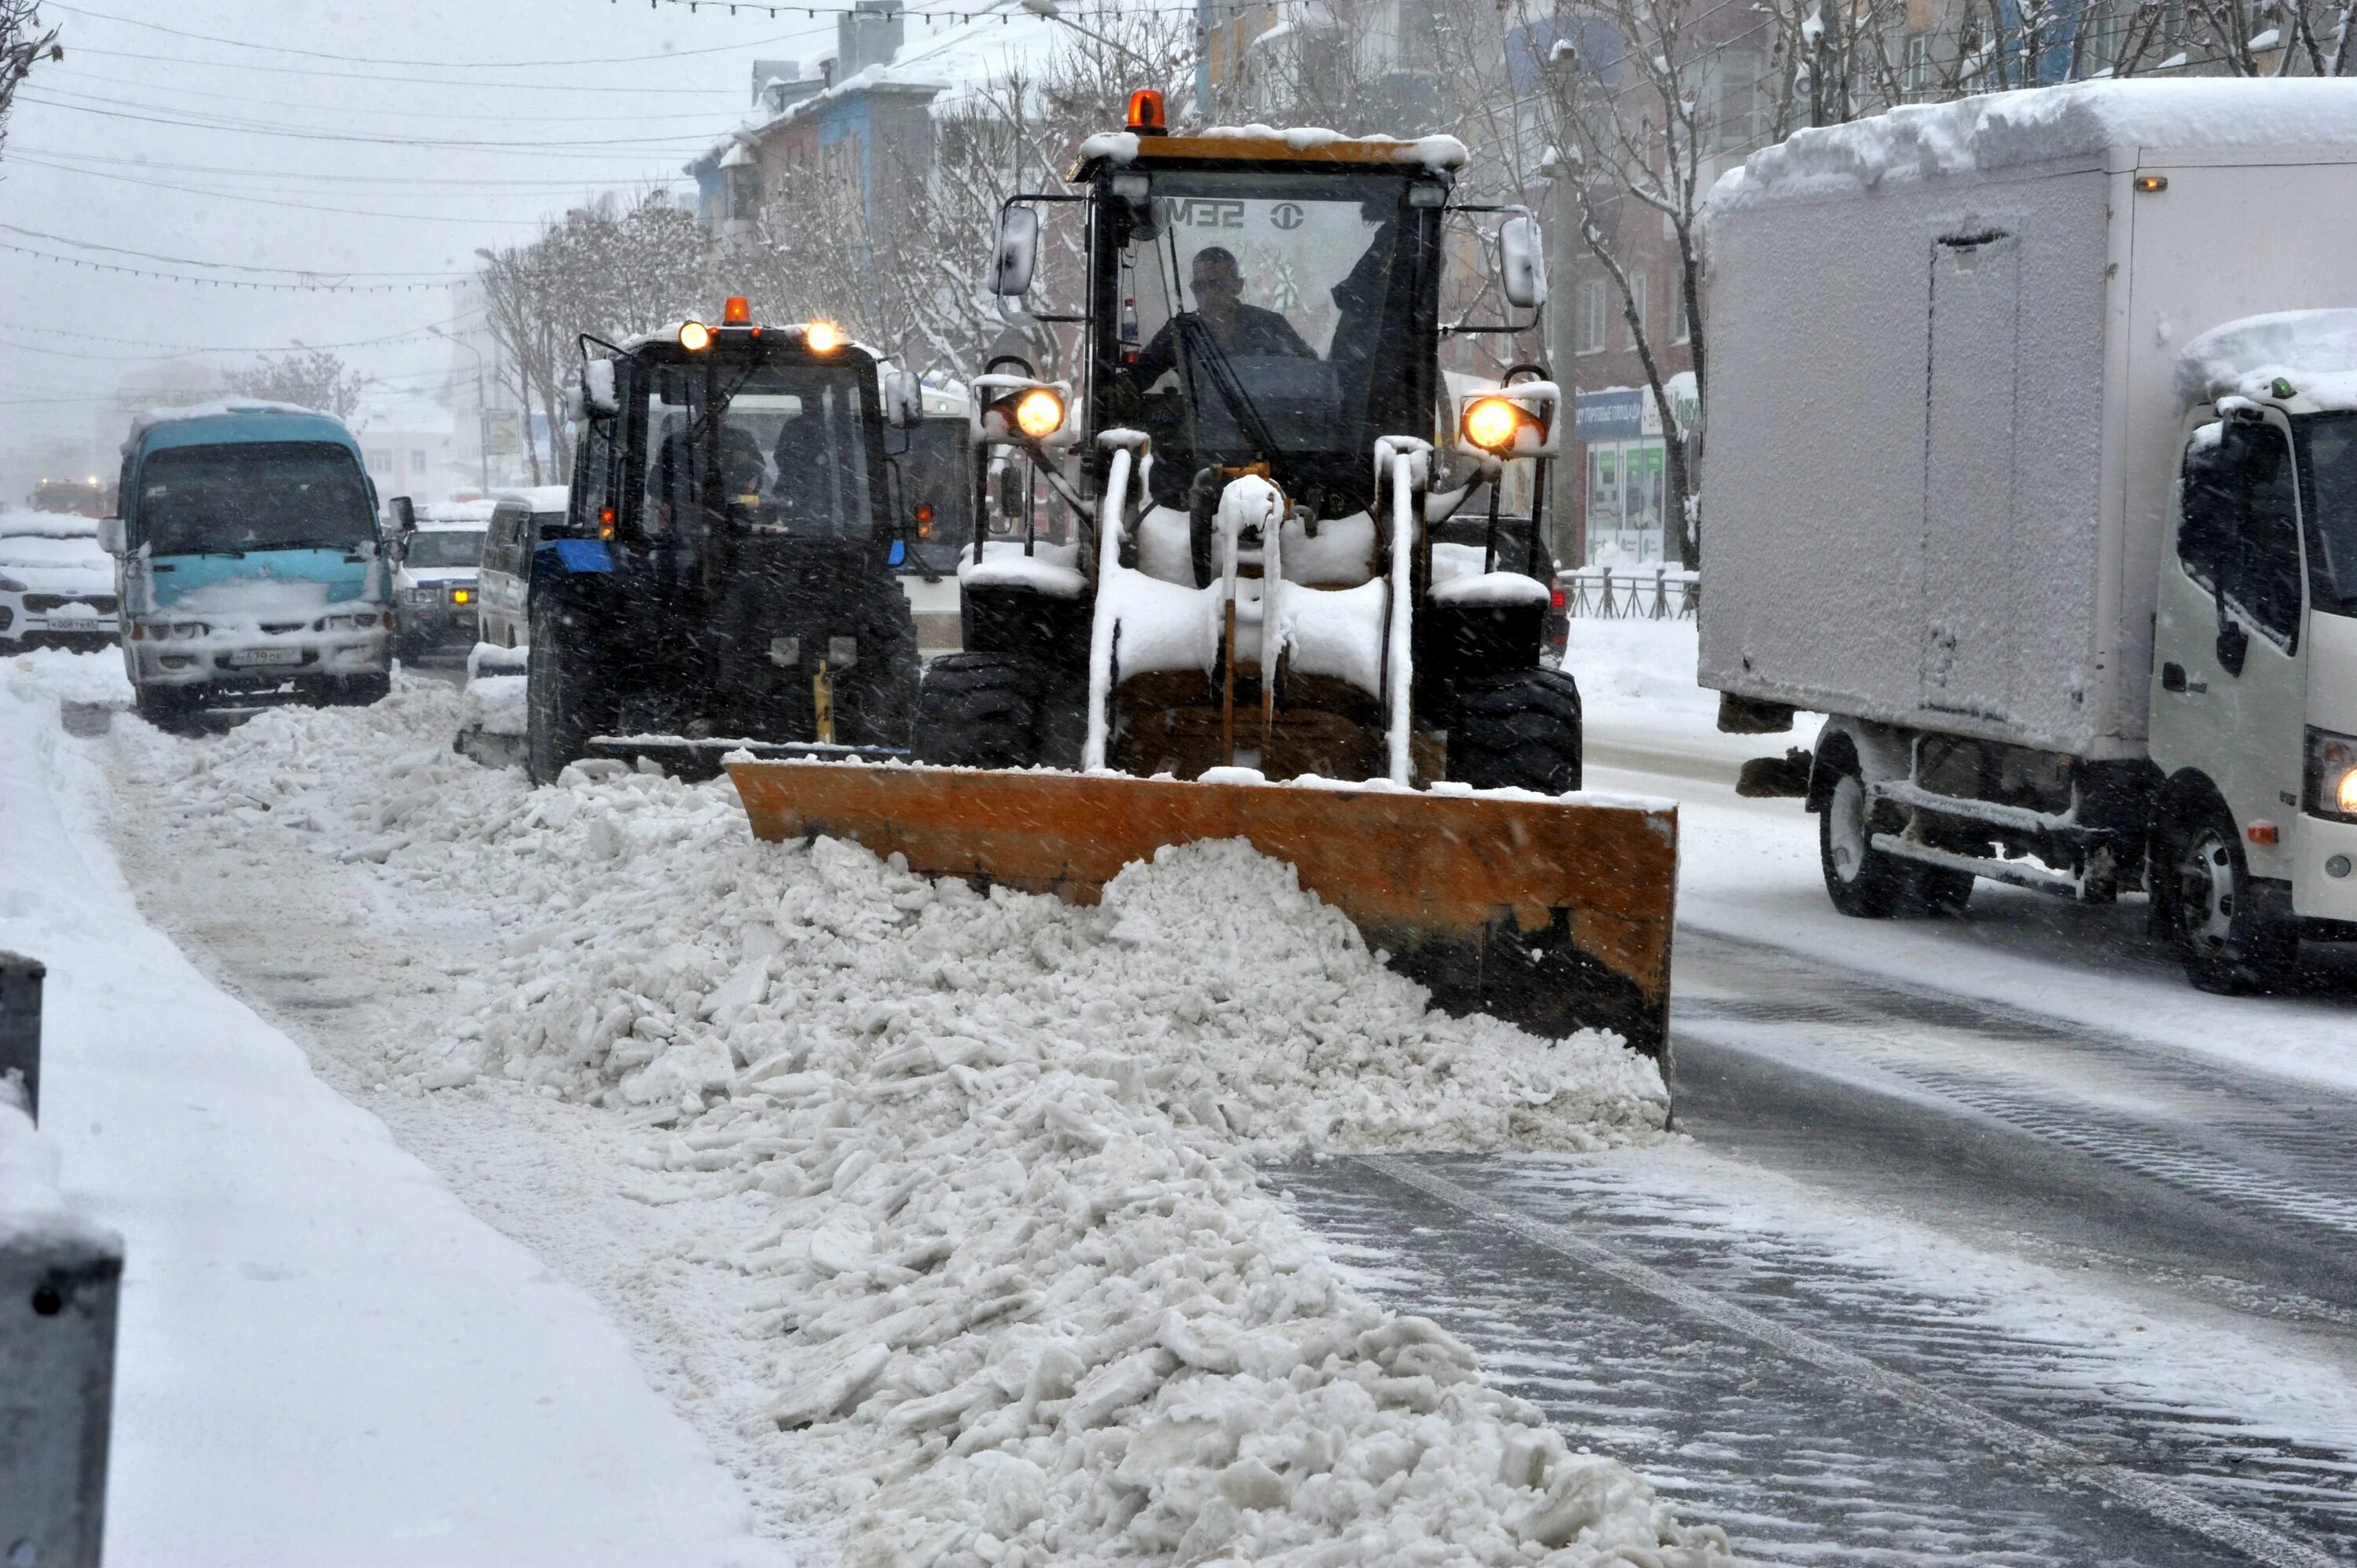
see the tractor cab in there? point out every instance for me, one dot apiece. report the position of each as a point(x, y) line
point(727, 573)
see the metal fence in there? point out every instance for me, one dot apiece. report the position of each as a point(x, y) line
point(1631, 593)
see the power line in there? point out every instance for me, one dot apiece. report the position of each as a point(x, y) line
point(704, 116)
point(111, 109)
point(264, 287)
point(430, 64)
point(182, 61)
point(452, 187)
point(433, 329)
point(209, 194)
point(229, 266)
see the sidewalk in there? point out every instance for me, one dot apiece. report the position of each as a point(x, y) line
point(324, 1357)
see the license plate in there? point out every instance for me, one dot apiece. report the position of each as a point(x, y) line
point(267, 656)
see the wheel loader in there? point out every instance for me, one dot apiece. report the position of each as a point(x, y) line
point(725, 580)
point(1251, 630)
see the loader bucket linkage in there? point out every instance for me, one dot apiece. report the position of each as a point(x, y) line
point(1552, 914)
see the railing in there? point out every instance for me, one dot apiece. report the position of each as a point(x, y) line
point(1631, 593)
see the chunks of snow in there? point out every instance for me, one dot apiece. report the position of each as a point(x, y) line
point(991, 1156)
point(1050, 569)
point(1999, 130)
point(33, 1212)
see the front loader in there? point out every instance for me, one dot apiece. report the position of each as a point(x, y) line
point(1251, 630)
point(724, 582)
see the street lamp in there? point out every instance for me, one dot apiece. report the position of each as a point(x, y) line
point(483, 413)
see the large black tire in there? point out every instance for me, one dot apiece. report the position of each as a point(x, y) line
point(1862, 881)
point(560, 688)
point(1519, 730)
point(2232, 936)
point(978, 710)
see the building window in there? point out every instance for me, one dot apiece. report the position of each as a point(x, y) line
point(1681, 325)
point(1637, 306)
point(381, 460)
point(416, 459)
point(1592, 316)
point(1915, 71)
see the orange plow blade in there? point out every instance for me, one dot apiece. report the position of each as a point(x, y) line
point(1554, 915)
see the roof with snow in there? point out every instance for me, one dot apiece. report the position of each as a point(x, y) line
point(2045, 124)
point(1297, 144)
point(234, 419)
point(2314, 352)
point(538, 498)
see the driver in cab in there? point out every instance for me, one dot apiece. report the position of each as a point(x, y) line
point(1221, 317)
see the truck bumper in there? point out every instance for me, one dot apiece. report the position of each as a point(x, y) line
point(262, 662)
point(2316, 893)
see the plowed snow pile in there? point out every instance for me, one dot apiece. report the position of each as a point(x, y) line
point(996, 1153)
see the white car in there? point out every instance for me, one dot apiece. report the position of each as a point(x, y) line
point(57, 586)
point(436, 595)
point(520, 521)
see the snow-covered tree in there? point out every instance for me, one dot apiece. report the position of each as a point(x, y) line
point(312, 378)
point(24, 43)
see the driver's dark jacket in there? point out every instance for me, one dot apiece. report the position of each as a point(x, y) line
point(1258, 333)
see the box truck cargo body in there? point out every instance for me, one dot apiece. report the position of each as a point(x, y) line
point(1946, 435)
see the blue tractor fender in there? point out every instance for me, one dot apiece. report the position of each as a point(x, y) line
point(570, 557)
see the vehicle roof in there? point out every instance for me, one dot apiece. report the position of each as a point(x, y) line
point(537, 498)
point(2045, 124)
point(234, 420)
point(1307, 144)
point(2314, 352)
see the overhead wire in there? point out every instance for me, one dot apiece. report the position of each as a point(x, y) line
point(207, 193)
point(371, 59)
point(659, 147)
point(259, 285)
point(227, 266)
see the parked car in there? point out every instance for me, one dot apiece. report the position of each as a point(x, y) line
point(435, 596)
point(520, 520)
point(57, 586)
point(83, 497)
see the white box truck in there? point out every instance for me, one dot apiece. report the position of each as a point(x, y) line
point(2032, 462)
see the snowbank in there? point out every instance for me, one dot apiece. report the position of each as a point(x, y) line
point(989, 1156)
point(33, 1212)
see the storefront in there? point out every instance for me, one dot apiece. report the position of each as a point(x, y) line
point(1617, 435)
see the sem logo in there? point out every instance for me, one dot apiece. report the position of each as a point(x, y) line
point(1203, 212)
point(1287, 215)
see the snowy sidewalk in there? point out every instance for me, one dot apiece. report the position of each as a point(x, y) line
point(324, 1356)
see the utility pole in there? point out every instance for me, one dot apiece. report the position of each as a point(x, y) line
point(482, 412)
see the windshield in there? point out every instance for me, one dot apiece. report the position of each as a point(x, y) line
point(2327, 482)
point(1262, 318)
point(770, 448)
point(936, 493)
point(445, 547)
point(253, 495)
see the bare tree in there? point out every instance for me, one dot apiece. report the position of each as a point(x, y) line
point(23, 44)
point(313, 378)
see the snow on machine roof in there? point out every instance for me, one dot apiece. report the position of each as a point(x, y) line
point(2045, 124)
point(537, 498)
point(1299, 143)
point(297, 422)
point(2312, 353)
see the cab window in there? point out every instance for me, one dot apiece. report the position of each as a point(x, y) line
point(2238, 524)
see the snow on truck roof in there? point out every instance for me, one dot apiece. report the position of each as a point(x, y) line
point(537, 498)
point(2314, 352)
point(240, 409)
point(1308, 143)
point(2043, 125)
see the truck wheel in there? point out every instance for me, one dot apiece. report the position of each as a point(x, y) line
point(558, 720)
point(1520, 730)
point(359, 691)
point(169, 708)
point(2231, 938)
point(978, 710)
point(1862, 881)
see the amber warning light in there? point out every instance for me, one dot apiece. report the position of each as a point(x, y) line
point(735, 312)
point(1145, 114)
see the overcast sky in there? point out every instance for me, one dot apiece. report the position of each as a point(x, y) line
point(214, 131)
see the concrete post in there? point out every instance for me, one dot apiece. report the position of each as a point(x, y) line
point(20, 1027)
point(58, 1293)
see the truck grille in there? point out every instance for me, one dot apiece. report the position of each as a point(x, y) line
point(36, 603)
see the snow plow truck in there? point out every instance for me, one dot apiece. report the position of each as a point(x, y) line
point(1250, 630)
point(725, 581)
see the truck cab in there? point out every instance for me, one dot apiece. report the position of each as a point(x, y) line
point(2255, 663)
point(250, 563)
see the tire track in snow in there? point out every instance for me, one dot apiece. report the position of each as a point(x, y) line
point(1822, 1412)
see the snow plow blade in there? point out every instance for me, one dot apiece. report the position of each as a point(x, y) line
point(1552, 915)
point(693, 758)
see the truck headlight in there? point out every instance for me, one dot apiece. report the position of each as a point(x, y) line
point(361, 622)
point(2330, 785)
point(9, 584)
point(419, 596)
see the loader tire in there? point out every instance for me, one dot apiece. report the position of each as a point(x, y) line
point(1520, 730)
point(557, 710)
point(978, 710)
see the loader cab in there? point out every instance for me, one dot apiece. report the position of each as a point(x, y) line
point(1254, 302)
point(2253, 695)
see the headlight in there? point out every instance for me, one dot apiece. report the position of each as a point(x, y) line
point(462, 596)
point(170, 631)
point(9, 584)
point(821, 338)
point(1038, 413)
point(418, 596)
point(2331, 782)
point(1490, 423)
point(361, 622)
point(694, 337)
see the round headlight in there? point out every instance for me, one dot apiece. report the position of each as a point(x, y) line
point(821, 338)
point(2344, 793)
point(1038, 413)
point(1490, 423)
point(694, 337)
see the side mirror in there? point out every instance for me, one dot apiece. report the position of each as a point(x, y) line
point(1012, 491)
point(1017, 254)
point(112, 537)
point(1521, 262)
point(904, 398)
point(404, 513)
point(577, 407)
point(598, 393)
